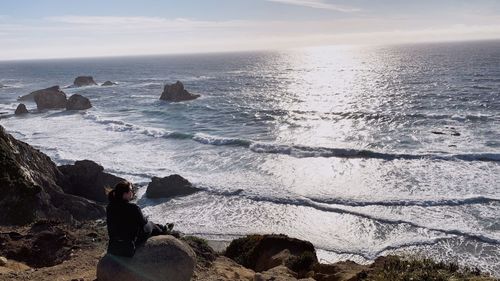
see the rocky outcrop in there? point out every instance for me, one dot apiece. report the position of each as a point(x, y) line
point(161, 258)
point(278, 273)
point(78, 102)
point(87, 179)
point(176, 93)
point(108, 83)
point(344, 270)
point(263, 252)
point(30, 187)
point(48, 98)
point(51, 91)
point(82, 81)
point(205, 254)
point(171, 186)
point(21, 109)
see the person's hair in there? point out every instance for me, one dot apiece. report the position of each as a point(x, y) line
point(120, 189)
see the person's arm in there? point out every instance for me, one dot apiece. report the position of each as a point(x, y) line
point(141, 219)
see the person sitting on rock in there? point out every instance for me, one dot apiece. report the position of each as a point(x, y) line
point(127, 225)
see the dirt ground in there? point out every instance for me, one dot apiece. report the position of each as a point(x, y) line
point(90, 240)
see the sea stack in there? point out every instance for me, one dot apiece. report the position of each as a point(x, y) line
point(21, 109)
point(171, 186)
point(78, 102)
point(108, 83)
point(176, 93)
point(48, 98)
point(82, 81)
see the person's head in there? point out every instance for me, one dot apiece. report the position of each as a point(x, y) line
point(122, 191)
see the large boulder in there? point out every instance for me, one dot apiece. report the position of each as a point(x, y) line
point(161, 258)
point(263, 252)
point(108, 83)
point(21, 109)
point(173, 185)
point(87, 179)
point(176, 93)
point(78, 102)
point(30, 187)
point(48, 98)
point(82, 81)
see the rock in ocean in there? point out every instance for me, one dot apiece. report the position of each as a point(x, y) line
point(78, 102)
point(21, 109)
point(108, 83)
point(82, 81)
point(48, 98)
point(173, 185)
point(176, 93)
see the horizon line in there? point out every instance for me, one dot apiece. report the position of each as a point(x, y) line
point(425, 42)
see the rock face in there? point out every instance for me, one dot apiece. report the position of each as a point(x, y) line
point(87, 179)
point(108, 83)
point(263, 252)
point(176, 93)
point(48, 98)
point(78, 102)
point(30, 187)
point(161, 258)
point(82, 81)
point(173, 185)
point(21, 109)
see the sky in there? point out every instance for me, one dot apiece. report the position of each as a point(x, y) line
point(93, 28)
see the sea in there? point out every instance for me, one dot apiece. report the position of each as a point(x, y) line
point(362, 150)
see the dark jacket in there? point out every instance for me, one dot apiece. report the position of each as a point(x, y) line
point(125, 222)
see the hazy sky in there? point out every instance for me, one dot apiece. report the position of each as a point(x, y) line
point(71, 28)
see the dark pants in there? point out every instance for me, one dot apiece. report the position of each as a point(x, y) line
point(150, 229)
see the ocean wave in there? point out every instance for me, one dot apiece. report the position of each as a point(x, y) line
point(367, 115)
point(297, 151)
point(410, 202)
point(404, 116)
point(301, 151)
point(213, 140)
point(306, 202)
point(392, 247)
